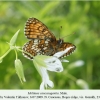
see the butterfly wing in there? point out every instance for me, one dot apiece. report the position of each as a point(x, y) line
point(36, 29)
point(37, 47)
point(66, 45)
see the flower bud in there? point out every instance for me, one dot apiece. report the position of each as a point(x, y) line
point(82, 84)
point(19, 70)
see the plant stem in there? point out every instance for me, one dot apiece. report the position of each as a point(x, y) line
point(5, 54)
point(16, 54)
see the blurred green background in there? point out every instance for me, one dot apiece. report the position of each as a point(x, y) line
point(81, 17)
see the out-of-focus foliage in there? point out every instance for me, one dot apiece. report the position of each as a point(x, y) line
point(79, 17)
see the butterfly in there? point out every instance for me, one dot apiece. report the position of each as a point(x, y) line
point(42, 41)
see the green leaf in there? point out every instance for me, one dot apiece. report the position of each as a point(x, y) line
point(14, 38)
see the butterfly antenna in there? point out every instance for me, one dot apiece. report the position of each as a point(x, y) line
point(59, 33)
point(68, 35)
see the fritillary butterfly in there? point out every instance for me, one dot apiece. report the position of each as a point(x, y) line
point(42, 41)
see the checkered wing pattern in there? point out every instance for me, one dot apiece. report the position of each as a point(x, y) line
point(66, 45)
point(37, 47)
point(35, 29)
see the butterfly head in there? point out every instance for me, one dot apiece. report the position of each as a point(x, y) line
point(60, 41)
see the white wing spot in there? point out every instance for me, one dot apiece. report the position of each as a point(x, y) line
point(35, 40)
point(46, 42)
point(44, 48)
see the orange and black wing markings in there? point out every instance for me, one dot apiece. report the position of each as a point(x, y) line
point(36, 29)
point(66, 45)
point(37, 47)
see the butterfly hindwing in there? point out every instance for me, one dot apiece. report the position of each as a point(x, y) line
point(37, 47)
point(66, 45)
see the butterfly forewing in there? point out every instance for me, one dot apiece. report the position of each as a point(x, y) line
point(36, 29)
point(42, 41)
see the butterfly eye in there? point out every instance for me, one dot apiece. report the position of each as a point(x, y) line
point(60, 41)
